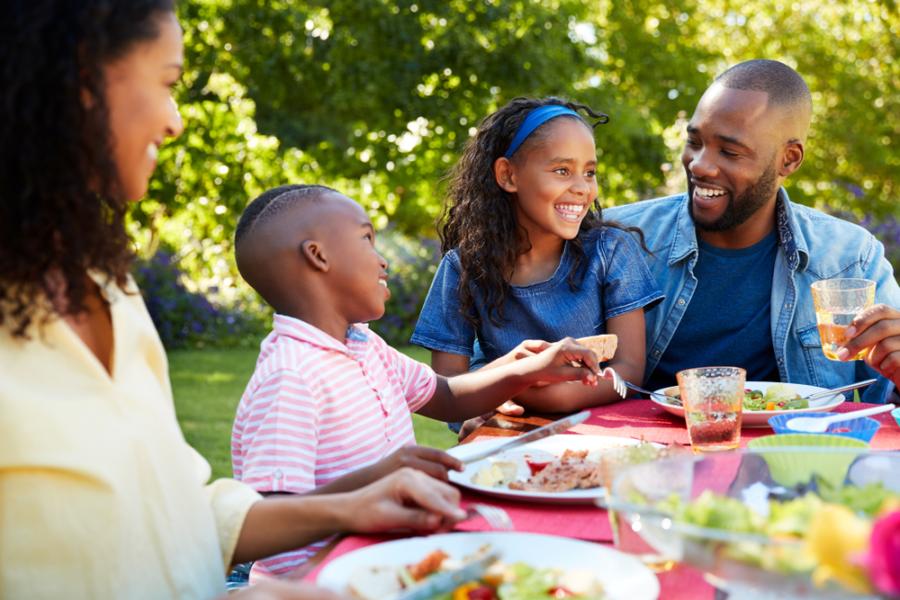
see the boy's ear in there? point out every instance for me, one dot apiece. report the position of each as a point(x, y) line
point(314, 253)
point(504, 175)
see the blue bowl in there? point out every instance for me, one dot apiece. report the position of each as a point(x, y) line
point(862, 429)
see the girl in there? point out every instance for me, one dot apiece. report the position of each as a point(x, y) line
point(100, 495)
point(527, 255)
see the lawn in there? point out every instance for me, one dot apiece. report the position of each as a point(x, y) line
point(208, 383)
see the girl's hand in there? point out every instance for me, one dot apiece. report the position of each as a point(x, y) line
point(430, 461)
point(407, 499)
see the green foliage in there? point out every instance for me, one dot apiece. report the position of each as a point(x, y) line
point(377, 98)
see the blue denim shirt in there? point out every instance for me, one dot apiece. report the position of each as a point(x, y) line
point(615, 281)
point(811, 246)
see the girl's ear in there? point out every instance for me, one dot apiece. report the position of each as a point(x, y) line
point(314, 253)
point(504, 174)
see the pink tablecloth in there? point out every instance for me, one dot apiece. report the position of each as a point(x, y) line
point(629, 418)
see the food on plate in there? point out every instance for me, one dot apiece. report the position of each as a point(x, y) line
point(572, 470)
point(778, 396)
point(501, 581)
point(497, 473)
point(604, 345)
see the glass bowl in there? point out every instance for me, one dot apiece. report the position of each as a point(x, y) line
point(746, 565)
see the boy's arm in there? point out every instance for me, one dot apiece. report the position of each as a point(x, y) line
point(474, 393)
point(628, 362)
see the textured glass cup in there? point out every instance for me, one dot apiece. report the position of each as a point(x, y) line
point(713, 399)
point(837, 303)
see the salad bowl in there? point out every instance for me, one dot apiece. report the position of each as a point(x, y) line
point(728, 514)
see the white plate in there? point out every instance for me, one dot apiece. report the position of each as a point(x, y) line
point(553, 445)
point(760, 418)
point(623, 576)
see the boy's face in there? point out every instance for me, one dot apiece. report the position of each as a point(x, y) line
point(358, 273)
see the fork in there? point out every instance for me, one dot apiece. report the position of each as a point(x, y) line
point(621, 386)
point(496, 517)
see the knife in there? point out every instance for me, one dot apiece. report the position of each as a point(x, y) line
point(539, 433)
point(447, 581)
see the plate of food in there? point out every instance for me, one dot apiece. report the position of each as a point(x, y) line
point(764, 399)
point(526, 563)
point(559, 469)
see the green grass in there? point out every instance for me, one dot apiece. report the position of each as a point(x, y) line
point(208, 384)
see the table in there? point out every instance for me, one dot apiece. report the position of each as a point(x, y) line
point(629, 418)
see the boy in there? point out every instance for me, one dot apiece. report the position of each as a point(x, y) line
point(329, 399)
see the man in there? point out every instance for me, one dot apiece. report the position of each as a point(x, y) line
point(736, 258)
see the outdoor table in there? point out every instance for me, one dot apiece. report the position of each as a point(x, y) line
point(633, 418)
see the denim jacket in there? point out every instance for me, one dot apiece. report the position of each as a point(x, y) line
point(811, 246)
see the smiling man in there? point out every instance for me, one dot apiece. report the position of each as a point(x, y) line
point(736, 257)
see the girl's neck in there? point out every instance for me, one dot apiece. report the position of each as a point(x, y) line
point(539, 263)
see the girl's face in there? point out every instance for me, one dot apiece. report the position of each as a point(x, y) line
point(142, 112)
point(554, 180)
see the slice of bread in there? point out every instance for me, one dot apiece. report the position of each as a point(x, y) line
point(604, 346)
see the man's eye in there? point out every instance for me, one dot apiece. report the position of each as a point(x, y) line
point(729, 153)
point(693, 143)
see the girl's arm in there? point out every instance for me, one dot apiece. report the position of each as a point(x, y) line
point(628, 362)
point(447, 364)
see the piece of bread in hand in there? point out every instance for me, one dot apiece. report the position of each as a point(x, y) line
point(604, 346)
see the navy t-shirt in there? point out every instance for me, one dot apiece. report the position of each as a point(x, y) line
point(728, 319)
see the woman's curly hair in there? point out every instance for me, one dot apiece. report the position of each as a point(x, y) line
point(62, 212)
point(479, 218)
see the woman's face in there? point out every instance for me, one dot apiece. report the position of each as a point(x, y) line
point(142, 112)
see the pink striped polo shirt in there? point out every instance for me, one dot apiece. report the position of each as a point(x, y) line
point(316, 409)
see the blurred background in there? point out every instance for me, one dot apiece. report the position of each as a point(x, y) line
point(377, 98)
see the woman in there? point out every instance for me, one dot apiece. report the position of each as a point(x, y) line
point(100, 496)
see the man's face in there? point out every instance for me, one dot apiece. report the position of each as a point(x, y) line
point(730, 158)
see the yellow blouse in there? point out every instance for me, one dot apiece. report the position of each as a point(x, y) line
point(100, 495)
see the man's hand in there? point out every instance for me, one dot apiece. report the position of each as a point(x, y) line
point(430, 461)
point(876, 328)
point(407, 499)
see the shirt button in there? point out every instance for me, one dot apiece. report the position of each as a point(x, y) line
point(278, 474)
point(657, 353)
point(681, 302)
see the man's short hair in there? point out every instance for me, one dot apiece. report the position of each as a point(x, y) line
point(783, 84)
point(271, 202)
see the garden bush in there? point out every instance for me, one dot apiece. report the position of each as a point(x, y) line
point(187, 318)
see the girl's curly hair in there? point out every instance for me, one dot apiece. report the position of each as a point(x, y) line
point(479, 217)
point(62, 212)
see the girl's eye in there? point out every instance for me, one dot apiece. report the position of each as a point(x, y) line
point(561, 171)
point(591, 174)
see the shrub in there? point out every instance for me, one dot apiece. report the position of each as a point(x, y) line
point(186, 318)
point(411, 267)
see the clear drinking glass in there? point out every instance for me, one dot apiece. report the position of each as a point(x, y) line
point(837, 302)
point(713, 399)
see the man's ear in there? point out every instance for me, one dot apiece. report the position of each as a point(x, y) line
point(314, 253)
point(505, 175)
point(793, 158)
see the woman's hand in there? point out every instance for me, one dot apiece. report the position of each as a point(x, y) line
point(407, 499)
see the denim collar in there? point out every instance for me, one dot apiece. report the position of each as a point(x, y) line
point(790, 238)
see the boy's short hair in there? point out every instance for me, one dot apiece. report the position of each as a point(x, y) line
point(271, 202)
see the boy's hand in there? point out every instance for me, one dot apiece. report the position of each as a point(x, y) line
point(565, 360)
point(430, 461)
point(406, 499)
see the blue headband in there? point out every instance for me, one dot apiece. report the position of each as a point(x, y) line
point(535, 119)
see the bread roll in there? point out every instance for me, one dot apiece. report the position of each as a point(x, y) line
point(604, 346)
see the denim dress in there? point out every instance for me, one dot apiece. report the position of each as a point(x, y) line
point(615, 280)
